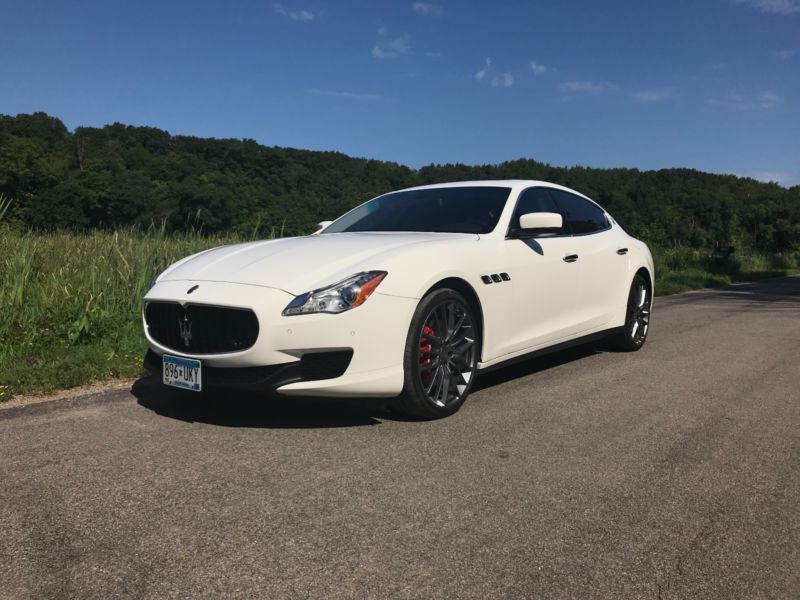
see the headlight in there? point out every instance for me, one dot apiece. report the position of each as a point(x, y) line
point(338, 297)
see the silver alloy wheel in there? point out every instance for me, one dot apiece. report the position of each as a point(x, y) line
point(639, 312)
point(447, 353)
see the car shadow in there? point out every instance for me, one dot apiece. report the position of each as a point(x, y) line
point(229, 408)
point(531, 366)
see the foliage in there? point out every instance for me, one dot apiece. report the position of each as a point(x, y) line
point(71, 303)
point(681, 268)
point(86, 219)
point(5, 204)
point(120, 175)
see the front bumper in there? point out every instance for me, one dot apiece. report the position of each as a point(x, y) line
point(318, 367)
point(373, 335)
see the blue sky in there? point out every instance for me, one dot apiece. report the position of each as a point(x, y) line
point(708, 84)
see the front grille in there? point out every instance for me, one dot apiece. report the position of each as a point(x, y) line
point(201, 329)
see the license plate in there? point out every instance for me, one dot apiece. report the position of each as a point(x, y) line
point(184, 373)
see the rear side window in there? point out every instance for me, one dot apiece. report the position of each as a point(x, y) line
point(530, 201)
point(580, 215)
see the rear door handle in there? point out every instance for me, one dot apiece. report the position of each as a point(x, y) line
point(622, 251)
point(570, 258)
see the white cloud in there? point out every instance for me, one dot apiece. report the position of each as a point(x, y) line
point(787, 54)
point(731, 100)
point(482, 73)
point(304, 15)
point(766, 100)
point(427, 8)
point(570, 89)
point(347, 95)
point(585, 87)
point(490, 76)
point(777, 7)
point(650, 95)
point(391, 47)
point(504, 80)
point(538, 69)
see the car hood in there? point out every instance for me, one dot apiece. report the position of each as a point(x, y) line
point(297, 265)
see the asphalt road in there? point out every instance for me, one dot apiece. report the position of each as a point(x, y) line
point(673, 472)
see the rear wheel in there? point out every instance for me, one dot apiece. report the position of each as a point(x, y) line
point(441, 356)
point(637, 316)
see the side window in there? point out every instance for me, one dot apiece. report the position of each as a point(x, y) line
point(580, 216)
point(532, 200)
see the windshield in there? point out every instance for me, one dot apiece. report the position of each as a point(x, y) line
point(444, 210)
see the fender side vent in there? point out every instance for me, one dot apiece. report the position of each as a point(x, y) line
point(495, 278)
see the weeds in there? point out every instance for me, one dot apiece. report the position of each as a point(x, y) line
point(70, 304)
point(681, 268)
point(5, 204)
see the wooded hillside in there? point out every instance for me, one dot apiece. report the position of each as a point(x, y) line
point(120, 175)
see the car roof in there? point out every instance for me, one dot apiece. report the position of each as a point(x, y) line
point(514, 184)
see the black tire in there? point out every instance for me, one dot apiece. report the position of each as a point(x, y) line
point(439, 369)
point(637, 317)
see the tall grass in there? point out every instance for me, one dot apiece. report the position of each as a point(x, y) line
point(5, 204)
point(70, 304)
point(681, 268)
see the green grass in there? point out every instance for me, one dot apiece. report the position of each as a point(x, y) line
point(70, 304)
point(681, 269)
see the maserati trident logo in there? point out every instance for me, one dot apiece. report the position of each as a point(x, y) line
point(185, 326)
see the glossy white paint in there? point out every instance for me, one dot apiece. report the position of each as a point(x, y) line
point(300, 264)
point(541, 220)
point(546, 302)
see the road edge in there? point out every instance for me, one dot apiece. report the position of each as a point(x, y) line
point(21, 404)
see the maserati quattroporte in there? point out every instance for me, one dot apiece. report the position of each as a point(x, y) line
point(409, 296)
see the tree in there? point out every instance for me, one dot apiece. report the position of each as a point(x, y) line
point(120, 175)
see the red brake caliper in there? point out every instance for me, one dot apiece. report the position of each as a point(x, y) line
point(425, 348)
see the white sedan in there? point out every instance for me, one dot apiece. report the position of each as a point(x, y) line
point(409, 295)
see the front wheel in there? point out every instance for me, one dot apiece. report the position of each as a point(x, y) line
point(637, 317)
point(441, 356)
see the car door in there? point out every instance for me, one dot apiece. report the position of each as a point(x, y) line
point(603, 270)
point(544, 283)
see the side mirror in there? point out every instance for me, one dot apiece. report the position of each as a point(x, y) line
point(322, 225)
point(540, 222)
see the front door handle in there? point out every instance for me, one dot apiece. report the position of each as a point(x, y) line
point(570, 258)
point(622, 251)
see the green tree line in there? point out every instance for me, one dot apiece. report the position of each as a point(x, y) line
point(119, 175)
